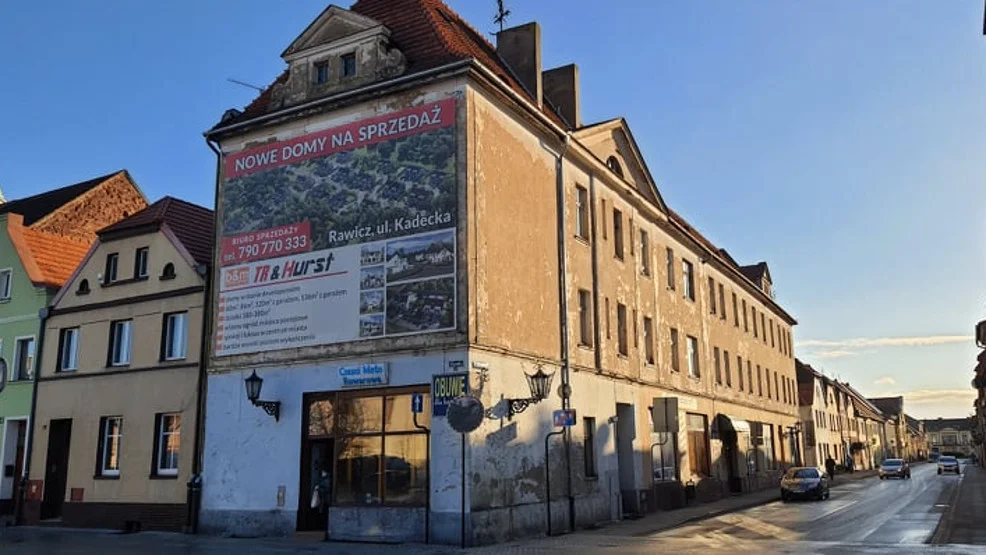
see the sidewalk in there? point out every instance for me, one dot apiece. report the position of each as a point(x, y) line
point(963, 520)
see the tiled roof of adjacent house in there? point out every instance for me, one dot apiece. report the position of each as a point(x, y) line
point(754, 272)
point(35, 207)
point(430, 34)
point(191, 224)
point(55, 256)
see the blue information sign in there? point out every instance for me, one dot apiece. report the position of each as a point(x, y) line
point(564, 418)
point(444, 388)
point(417, 403)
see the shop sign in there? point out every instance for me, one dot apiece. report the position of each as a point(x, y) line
point(364, 375)
point(445, 388)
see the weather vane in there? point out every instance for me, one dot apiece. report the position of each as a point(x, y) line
point(501, 14)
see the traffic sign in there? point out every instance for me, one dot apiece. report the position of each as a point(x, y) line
point(417, 403)
point(564, 418)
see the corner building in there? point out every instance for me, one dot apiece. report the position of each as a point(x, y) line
point(409, 201)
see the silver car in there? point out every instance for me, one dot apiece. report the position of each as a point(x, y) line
point(948, 465)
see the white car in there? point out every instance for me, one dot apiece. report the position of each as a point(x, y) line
point(947, 465)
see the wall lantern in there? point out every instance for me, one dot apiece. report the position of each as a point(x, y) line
point(539, 383)
point(253, 386)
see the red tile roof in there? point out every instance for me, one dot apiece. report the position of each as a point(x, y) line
point(56, 256)
point(430, 35)
point(191, 224)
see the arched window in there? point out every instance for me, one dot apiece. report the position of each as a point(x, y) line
point(83, 287)
point(169, 271)
point(614, 165)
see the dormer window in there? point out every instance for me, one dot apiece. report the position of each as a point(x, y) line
point(140, 263)
point(614, 165)
point(349, 65)
point(321, 72)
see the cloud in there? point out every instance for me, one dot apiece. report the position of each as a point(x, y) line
point(860, 342)
point(886, 380)
point(834, 353)
point(936, 396)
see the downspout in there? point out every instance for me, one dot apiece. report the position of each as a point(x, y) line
point(566, 402)
point(593, 246)
point(39, 351)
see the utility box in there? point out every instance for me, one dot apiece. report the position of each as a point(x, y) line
point(664, 413)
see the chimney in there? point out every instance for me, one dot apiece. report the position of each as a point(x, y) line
point(561, 86)
point(520, 48)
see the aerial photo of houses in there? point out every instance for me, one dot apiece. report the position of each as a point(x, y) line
point(421, 257)
point(420, 305)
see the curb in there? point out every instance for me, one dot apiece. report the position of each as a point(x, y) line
point(944, 529)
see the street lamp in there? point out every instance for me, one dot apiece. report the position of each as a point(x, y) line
point(253, 386)
point(539, 383)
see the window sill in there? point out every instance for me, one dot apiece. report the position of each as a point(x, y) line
point(163, 477)
point(591, 478)
point(168, 277)
point(585, 346)
point(111, 366)
point(622, 356)
point(583, 240)
point(105, 477)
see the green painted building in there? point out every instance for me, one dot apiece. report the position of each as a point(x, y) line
point(42, 240)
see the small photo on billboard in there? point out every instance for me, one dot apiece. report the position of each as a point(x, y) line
point(421, 257)
point(371, 326)
point(421, 305)
point(371, 278)
point(371, 302)
point(371, 255)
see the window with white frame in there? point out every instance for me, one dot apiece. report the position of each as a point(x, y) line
point(140, 262)
point(582, 212)
point(110, 437)
point(24, 358)
point(693, 368)
point(175, 335)
point(6, 283)
point(68, 350)
point(168, 444)
point(112, 266)
point(121, 336)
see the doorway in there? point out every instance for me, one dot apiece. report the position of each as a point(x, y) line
point(316, 459)
point(625, 434)
point(56, 468)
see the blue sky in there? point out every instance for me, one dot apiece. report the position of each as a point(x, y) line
point(840, 141)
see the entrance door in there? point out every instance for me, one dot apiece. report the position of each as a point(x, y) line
point(21, 433)
point(56, 468)
point(624, 457)
point(317, 458)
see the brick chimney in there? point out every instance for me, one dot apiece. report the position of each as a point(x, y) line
point(561, 87)
point(520, 48)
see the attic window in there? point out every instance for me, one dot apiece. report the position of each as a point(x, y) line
point(83, 287)
point(168, 272)
point(614, 165)
point(321, 72)
point(349, 65)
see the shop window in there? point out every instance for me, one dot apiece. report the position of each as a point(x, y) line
point(698, 445)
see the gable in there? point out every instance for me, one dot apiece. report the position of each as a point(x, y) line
point(333, 25)
point(612, 141)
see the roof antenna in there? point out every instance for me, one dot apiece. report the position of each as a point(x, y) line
point(502, 13)
point(245, 84)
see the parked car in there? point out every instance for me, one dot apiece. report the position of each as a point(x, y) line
point(947, 465)
point(805, 482)
point(894, 468)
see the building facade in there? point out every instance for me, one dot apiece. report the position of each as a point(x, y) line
point(42, 239)
point(462, 232)
point(950, 435)
point(117, 392)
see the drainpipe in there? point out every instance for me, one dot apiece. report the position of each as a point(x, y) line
point(593, 246)
point(39, 351)
point(566, 402)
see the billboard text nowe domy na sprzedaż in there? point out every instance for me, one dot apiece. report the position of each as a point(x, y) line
point(340, 235)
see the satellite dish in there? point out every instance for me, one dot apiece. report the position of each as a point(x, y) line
point(3, 373)
point(465, 414)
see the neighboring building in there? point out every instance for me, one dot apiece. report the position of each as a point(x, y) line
point(899, 445)
point(120, 373)
point(42, 239)
point(979, 384)
point(868, 431)
point(950, 435)
point(917, 439)
point(405, 131)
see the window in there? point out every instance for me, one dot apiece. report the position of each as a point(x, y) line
point(585, 318)
point(618, 233)
point(712, 296)
point(698, 445)
point(675, 362)
point(140, 262)
point(24, 358)
point(768, 447)
point(589, 447)
point(739, 372)
point(68, 350)
point(693, 369)
point(649, 340)
point(759, 381)
point(763, 327)
point(120, 338)
point(735, 312)
point(715, 356)
point(614, 165)
point(777, 389)
point(688, 277)
point(167, 444)
point(631, 235)
point(746, 322)
point(636, 332)
point(772, 333)
point(83, 287)
point(753, 312)
point(6, 281)
point(669, 254)
point(110, 436)
point(644, 253)
point(722, 303)
point(766, 375)
point(621, 328)
point(175, 336)
point(582, 213)
point(349, 64)
point(607, 318)
point(790, 346)
point(112, 261)
point(604, 226)
point(321, 72)
point(749, 374)
point(725, 363)
point(168, 272)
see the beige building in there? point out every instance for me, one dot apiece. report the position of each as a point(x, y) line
point(566, 259)
point(950, 435)
point(117, 393)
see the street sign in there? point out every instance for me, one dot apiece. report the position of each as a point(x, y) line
point(564, 418)
point(465, 414)
point(417, 403)
point(444, 388)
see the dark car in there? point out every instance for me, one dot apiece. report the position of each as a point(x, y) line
point(805, 483)
point(947, 465)
point(895, 468)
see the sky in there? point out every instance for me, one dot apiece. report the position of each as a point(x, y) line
point(840, 141)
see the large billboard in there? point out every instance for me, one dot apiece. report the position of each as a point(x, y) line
point(340, 235)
